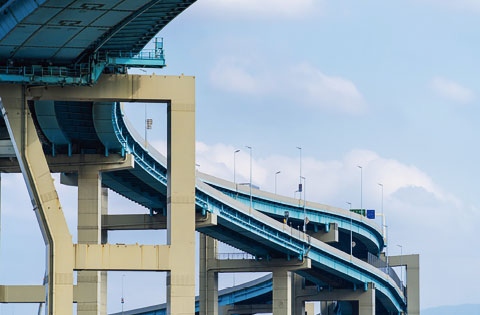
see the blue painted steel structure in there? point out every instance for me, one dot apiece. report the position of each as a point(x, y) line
point(92, 128)
point(72, 42)
point(257, 291)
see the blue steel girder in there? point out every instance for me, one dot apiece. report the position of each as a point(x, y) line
point(369, 235)
point(72, 42)
point(263, 233)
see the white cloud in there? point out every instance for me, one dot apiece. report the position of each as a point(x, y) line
point(421, 216)
point(231, 74)
point(302, 83)
point(452, 90)
point(261, 9)
point(326, 91)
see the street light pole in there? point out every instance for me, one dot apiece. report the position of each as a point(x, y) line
point(304, 205)
point(123, 298)
point(278, 172)
point(383, 215)
point(351, 227)
point(361, 187)
point(235, 172)
point(300, 184)
point(251, 200)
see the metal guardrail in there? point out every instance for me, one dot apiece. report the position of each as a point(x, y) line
point(383, 266)
point(227, 256)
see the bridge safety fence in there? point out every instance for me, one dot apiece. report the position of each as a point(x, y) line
point(384, 267)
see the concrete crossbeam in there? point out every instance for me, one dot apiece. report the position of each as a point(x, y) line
point(22, 294)
point(113, 222)
point(122, 257)
point(328, 237)
point(252, 265)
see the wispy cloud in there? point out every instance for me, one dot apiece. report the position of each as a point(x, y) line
point(451, 90)
point(324, 91)
point(261, 9)
point(302, 83)
point(418, 210)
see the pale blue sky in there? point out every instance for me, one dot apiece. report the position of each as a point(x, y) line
point(390, 85)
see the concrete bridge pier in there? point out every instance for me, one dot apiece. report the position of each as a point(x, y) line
point(208, 292)
point(365, 298)
point(210, 266)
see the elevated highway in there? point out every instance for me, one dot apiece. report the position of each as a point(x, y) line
point(63, 74)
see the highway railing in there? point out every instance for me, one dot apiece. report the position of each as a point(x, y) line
point(383, 266)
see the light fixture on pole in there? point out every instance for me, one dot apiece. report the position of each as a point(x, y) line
point(361, 187)
point(251, 200)
point(304, 205)
point(401, 262)
point(383, 218)
point(351, 227)
point(235, 172)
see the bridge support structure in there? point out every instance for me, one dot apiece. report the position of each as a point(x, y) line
point(63, 257)
point(365, 298)
point(210, 266)
point(412, 264)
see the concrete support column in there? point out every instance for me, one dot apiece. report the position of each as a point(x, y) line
point(208, 279)
point(412, 263)
point(104, 240)
point(366, 301)
point(181, 204)
point(309, 309)
point(282, 292)
point(90, 208)
point(44, 197)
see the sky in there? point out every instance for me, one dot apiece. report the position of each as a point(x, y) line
point(388, 85)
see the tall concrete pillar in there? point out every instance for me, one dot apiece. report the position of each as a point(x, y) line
point(366, 301)
point(309, 309)
point(44, 197)
point(90, 208)
point(104, 240)
point(208, 279)
point(412, 263)
point(181, 205)
point(282, 292)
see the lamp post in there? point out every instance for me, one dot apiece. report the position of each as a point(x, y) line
point(361, 187)
point(123, 298)
point(383, 216)
point(235, 172)
point(401, 262)
point(300, 184)
point(351, 227)
point(251, 201)
point(278, 172)
point(304, 205)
